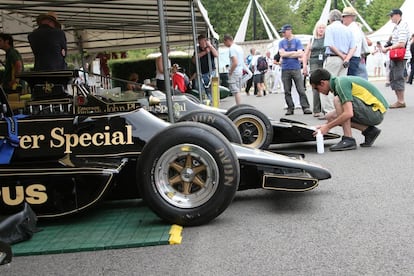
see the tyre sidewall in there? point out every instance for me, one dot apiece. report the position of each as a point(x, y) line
point(216, 120)
point(224, 156)
point(255, 114)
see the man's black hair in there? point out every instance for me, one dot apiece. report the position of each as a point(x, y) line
point(201, 36)
point(7, 37)
point(318, 75)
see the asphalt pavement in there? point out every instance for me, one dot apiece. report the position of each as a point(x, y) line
point(359, 222)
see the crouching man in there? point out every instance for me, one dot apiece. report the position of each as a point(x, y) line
point(358, 104)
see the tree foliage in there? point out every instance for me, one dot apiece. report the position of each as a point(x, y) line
point(226, 15)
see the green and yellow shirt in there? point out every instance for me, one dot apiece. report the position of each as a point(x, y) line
point(350, 86)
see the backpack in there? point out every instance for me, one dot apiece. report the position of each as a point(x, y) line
point(261, 64)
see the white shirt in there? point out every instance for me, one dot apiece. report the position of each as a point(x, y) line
point(358, 37)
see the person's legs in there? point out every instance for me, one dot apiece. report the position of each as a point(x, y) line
point(353, 66)
point(206, 85)
point(410, 78)
point(347, 142)
point(235, 82)
point(258, 88)
point(261, 89)
point(276, 79)
point(161, 85)
point(287, 84)
point(362, 70)
point(304, 103)
point(249, 85)
point(237, 97)
point(397, 82)
point(335, 66)
point(269, 80)
point(316, 102)
point(365, 120)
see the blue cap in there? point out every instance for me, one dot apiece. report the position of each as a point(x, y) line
point(285, 27)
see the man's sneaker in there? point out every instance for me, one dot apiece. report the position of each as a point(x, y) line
point(347, 143)
point(307, 111)
point(289, 112)
point(371, 134)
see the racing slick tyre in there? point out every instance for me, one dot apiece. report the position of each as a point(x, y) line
point(190, 173)
point(217, 120)
point(238, 106)
point(255, 127)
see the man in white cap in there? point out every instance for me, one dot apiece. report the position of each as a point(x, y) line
point(348, 19)
point(48, 43)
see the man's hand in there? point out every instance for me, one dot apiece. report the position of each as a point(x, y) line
point(323, 128)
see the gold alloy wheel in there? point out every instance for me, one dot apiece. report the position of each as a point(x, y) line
point(252, 130)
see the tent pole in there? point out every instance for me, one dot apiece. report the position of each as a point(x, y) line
point(82, 54)
point(197, 60)
point(164, 52)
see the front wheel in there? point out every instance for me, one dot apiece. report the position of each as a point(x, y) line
point(189, 172)
point(255, 127)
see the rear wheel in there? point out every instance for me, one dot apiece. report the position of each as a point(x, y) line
point(217, 120)
point(189, 172)
point(238, 106)
point(255, 127)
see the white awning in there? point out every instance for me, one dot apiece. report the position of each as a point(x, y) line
point(107, 25)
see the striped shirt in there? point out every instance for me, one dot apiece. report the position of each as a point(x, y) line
point(401, 33)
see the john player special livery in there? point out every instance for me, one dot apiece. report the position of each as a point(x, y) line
point(61, 162)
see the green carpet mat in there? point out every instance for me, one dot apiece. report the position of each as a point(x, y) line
point(117, 224)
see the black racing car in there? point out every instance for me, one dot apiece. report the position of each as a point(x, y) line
point(256, 129)
point(64, 152)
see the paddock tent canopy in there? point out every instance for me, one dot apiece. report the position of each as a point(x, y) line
point(383, 33)
point(107, 25)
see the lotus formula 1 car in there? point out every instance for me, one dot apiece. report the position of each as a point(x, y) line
point(256, 129)
point(65, 150)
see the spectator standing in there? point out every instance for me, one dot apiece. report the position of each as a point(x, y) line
point(399, 39)
point(315, 53)
point(258, 76)
point(290, 50)
point(340, 47)
point(358, 104)
point(249, 82)
point(378, 59)
point(13, 65)
point(387, 63)
point(236, 56)
point(206, 54)
point(269, 76)
point(277, 73)
point(348, 19)
point(159, 71)
point(48, 43)
point(410, 78)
